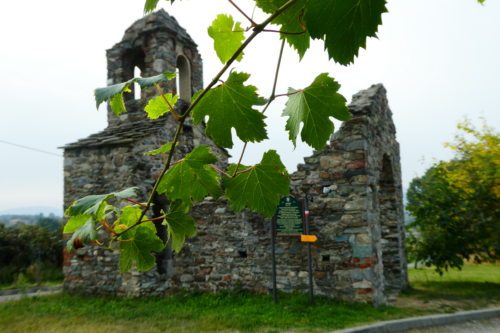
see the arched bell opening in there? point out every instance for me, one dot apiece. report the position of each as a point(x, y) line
point(183, 78)
point(133, 66)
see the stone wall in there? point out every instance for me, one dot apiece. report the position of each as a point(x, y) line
point(353, 186)
point(355, 212)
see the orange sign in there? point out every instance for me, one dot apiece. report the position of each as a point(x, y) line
point(308, 238)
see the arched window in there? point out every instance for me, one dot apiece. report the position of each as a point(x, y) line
point(183, 80)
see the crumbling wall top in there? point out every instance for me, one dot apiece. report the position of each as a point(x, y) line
point(157, 21)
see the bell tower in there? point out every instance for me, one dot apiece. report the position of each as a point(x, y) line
point(153, 45)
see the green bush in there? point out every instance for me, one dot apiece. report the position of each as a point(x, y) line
point(32, 250)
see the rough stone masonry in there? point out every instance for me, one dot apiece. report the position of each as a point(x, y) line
point(354, 183)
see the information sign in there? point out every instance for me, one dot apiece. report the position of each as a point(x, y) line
point(289, 217)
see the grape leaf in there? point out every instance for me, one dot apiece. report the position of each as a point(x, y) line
point(92, 204)
point(314, 106)
point(117, 104)
point(180, 225)
point(107, 93)
point(129, 215)
point(227, 35)
point(114, 93)
point(192, 178)
point(344, 25)
point(162, 150)
point(231, 105)
point(136, 246)
point(150, 5)
point(75, 223)
point(160, 105)
point(85, 234)
point(259, 187)
point(292, 26)
point(146, 82)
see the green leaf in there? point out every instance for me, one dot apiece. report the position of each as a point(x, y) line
point(160, 105)
point(230, 105)
point(137, 245)
point(85, 234)
point(192, 178)
point(228, 36)
point(150, 5)
point(105, 94)
point(117, 104)
point(314, 106)
point(145, 82)
point(259, 187)
point(129, 215)
point(92, 204)
point(75, 223)
point(292, 25)
point(180, 226)
point(344, 25)
point(114, 93)
point(162, 150)
point(200, 156)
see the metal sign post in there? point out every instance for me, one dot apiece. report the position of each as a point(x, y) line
point(273, 250)
point(309, 255)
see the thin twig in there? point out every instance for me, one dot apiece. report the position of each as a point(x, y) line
point(220, 171)
point(289, 94)
point(243, 13)
point(159, 218)
point(136, 202)
point(285, 32)
point(240, 159)
point(275, 83)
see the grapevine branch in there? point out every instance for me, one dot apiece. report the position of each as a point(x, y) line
point(256, 31)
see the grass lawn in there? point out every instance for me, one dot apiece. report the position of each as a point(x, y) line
point(242, 312)
point(474, 286)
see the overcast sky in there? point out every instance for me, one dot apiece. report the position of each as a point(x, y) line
point(438, 59)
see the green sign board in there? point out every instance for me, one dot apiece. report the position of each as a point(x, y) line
point(289, 217)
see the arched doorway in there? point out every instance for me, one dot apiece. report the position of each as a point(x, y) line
point(390, 226)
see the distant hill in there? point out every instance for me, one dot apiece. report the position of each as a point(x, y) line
point(33, 210)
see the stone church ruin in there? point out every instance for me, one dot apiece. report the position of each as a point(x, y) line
point(354, 183)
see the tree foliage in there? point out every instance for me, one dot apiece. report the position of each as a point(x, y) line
point(455, 203)
point(33, 250)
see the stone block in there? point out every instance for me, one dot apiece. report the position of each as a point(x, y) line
point(362, 251)
point(360, 144)
point(356, 204)
point(185, 278)
point(363, 238)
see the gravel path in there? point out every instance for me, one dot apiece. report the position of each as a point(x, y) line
point(475, 326)
point(18, 296)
